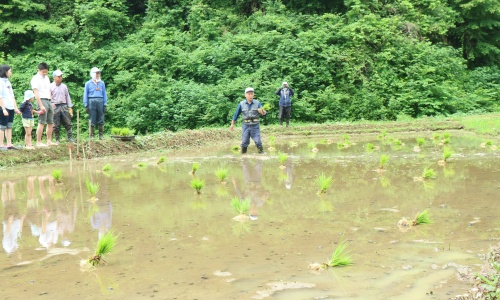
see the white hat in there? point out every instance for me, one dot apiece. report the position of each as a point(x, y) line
point(29, 94)
point(285, 83)
point(248, 89)
point(57, 73)
point(95, 70)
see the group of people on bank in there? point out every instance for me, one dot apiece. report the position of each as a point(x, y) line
point(53, 106)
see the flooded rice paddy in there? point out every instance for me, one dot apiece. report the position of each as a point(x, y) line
point(175, 244)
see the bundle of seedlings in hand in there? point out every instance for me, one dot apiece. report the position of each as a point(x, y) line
point(161, 160)
point(104, 246)
point(194, 168)
point(57, 175)
point(324, 183)
point(241, 207)
point(282, 157)
point(93, 188)
point(197, 184)
point(221, 174)
point(422, 218)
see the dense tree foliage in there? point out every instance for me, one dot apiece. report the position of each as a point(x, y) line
point(175, 64)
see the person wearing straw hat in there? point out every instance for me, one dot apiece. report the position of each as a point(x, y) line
point(95, 100)
point(27, 111)
point(251, 110)
point(64, 110)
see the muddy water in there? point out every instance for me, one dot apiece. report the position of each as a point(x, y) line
point(174, 244)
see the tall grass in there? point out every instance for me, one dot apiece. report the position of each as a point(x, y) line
point(340, 256)
point(221, 174)
point(324, 183)
point(282, 157)
point(241, 207)
point(197, 184)
point(93, 188)
point(57, 175)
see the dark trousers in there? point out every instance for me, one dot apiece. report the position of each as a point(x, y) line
point(250, 131)
point(62, 116)
point(96, 106)
point(285, 112)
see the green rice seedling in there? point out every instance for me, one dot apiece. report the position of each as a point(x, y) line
point(116, 131)
point(107, 167)
point(384, 158)
point(340, 256)
point(446, 141)
point(369, 147)
point(126, 131)
point(271, 140)
point(436, 136)
point(195, 167)
point(241, 207)
point(142, 164)
point(235, 149)
point(489, 143)
point(398, 142)
point(422, 218)
point(447, 153)
point(428, 173)
point(346, 138)
point(93, 188)
point(341, 145)
point(382, 135)
point(446, 135)
point(105, 245)
point(324, 183)
point(420, 141)
point(323, 141)
point(197, 184)
point(282, 157)
point(57, 174)
point(221, 174)
point(161, 160)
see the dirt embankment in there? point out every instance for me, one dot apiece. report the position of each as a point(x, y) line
point(196, 138)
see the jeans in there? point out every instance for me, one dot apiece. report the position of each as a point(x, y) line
point(250, 131)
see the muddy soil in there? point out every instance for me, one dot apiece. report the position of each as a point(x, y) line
point(168, 140)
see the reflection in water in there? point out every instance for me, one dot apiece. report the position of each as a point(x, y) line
point(251, 187)
point(101, 218)
point(13, 219)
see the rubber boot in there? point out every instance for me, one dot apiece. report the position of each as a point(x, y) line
point(92, 132)
point(243, 150)
point(261, 150)
point(101, 132)
point(70, 137)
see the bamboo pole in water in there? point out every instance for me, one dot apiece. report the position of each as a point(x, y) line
point(77, 133)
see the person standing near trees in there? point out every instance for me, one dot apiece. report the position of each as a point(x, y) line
point(95, 100)
point(285, 103)
point(251, 110)
point(62, 102)
point(40, 84)
point(8, 106)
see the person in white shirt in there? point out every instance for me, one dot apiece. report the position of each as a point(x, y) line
point(8, 108)
point(41, 87)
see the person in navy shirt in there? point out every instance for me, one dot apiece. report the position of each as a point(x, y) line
point(27, 111)
point(95, 100)
point(251, 110)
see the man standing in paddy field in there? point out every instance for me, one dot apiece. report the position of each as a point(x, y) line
point(251, 110)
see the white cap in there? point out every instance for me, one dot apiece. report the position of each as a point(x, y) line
point(95, 70)
point(29, 94)
point(248, 89)
point(57, 73)
point(285, 83)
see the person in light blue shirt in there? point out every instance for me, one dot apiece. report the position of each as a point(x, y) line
point(251, 110)
point(95, 100)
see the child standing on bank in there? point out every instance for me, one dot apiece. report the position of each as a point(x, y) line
point(27, 110)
